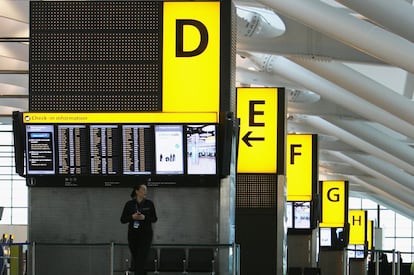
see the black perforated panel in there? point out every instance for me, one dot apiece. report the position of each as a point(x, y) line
point(256, 191)
point(96, 56)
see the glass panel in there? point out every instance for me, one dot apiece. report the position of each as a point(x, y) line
point(19, 196)
point(19, 216)
point(6, 138)
point(403, 227)
point(388, 243)
point(387, 220)
point(403, 245)
point(6, 218)
point(368, 204)
point(5, 194)
point(6, 127)
point(372, 216)
point(354, 203)
point(6, 161)
point(5, 151)
point(6, 170)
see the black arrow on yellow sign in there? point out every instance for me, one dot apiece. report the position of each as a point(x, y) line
point(246, 138)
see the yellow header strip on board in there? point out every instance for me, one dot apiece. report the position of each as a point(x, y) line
point(31, 117)
point(370, 228)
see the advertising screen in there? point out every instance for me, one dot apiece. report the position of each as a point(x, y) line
point(325, 237)
point(201, 149)
point(299, 214)
point(302, 215)
point(169, 149)
point(333, 238)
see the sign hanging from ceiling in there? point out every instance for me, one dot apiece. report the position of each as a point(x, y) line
point(357, 226)
point(191, 57)
point(261, 142)
point(301, 166)
point(149, 56)
point(334, 200)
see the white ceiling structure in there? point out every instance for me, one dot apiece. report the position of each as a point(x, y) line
point(347, 66)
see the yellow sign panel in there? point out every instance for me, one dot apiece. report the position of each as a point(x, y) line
point(119, 117)
point(370, 237)
point(191, 57)
point(299, 164)
point(357, 226)
point(257, 110)
point(334, 203)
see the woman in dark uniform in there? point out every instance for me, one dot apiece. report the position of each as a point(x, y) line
point(139, 213)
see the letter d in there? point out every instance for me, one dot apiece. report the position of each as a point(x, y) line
point(179, 44)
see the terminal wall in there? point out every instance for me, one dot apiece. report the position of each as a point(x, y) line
point(84, 221)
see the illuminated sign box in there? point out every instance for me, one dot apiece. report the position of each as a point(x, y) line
point(166, 56)
point(261, 139)
point(191, 56)
point(301, 167)
point(357, 227)
point(334, 203)
point(370, 234)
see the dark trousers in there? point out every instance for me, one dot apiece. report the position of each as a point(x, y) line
point(139, 244)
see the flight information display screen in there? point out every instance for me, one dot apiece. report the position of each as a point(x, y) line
point(121, 149)
point(160, 153)
point(40, 149)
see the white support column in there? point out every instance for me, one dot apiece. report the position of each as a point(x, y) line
point(328, 90)
point(397, 16)
point(361, 86)
point(354, 32)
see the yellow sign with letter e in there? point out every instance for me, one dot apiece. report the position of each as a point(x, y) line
point(257, 110)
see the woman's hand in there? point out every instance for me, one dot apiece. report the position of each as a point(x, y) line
point(138, 216)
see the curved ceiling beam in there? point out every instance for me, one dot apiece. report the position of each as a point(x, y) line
point(333, 130)
point(386, 169)
point(389, 185)
point(409, 86)
point(395, 206)
point(328, 90)
point(20, 80)
point(399, 21)
point(15, 50)
point(375, 137)
point(361, 86)
point(13, 65)
point(379, 195)
point(354, 32)
point(299, 39)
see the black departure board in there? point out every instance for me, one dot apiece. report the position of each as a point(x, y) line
point(72, 150)
point(135, 153)
point(104, 144)
point(115, 154)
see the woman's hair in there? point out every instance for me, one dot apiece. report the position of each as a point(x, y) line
point(135, 188)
